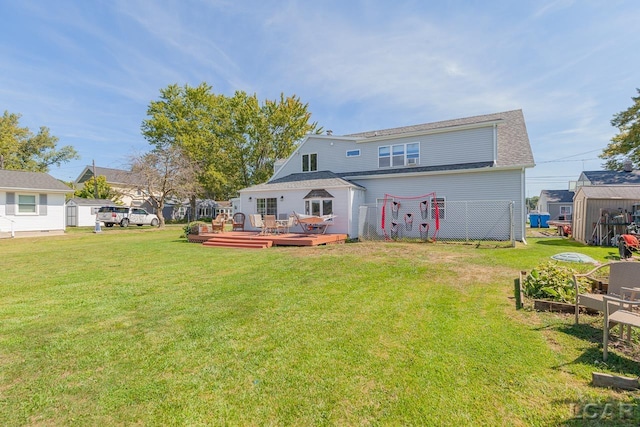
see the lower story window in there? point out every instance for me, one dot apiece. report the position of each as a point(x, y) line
point(318, 207)
point(437, 208)
point(27, 204)
point(204, 212)
point(267, 206)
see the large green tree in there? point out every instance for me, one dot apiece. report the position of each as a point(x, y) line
point(234, 141)
point(626, 144)
point(21, 149)
point(105, 191)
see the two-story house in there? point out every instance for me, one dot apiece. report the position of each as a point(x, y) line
point(481, 158)
point(128, 185)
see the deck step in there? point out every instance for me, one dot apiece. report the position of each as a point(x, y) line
point(238, 243)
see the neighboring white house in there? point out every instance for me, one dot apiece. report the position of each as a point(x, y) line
point(81, 212)
point(478, 159)
point(31, 204)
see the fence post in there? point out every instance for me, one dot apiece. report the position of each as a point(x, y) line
point(466, 220)
point(512, 226)
point(517, 289)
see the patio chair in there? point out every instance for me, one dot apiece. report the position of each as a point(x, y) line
point(256, 222)
point(238, 222)
point(217, 224)
point(285, 225)
point(623, 275)
point(270, 224)
point(619, 311)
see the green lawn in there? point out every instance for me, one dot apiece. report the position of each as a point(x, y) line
point(136, 326)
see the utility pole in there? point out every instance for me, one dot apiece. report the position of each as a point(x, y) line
point(1, 161)
point(95, 181)
point(97, 228)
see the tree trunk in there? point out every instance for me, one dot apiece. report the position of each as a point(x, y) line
point(192, 201)
point(160, 212)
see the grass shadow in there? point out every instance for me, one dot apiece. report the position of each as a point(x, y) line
point(560, 242)
point(613, 256)
point(581, 331)
point(624, 360)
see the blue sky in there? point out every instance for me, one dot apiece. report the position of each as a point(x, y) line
point(88, 69)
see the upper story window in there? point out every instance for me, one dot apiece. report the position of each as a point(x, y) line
point(353, 153)
point(384, 156)
point(413, 153)
point(309, 162)
point(399, 155)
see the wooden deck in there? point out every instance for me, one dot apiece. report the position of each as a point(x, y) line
point(253, 239)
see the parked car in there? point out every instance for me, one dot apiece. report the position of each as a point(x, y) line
point(124, 216)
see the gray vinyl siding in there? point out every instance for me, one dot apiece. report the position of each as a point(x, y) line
point(445, 148)
point(42, 210)
point(553, 209)
point(494, 185)
point(11, 203)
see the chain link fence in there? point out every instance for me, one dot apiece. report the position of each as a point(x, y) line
point(488, 222)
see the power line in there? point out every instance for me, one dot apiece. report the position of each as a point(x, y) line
point(563, 161)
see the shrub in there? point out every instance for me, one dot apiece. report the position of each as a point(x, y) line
point(191, 228)
point(554, 282)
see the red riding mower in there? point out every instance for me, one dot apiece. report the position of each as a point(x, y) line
point(628, 243)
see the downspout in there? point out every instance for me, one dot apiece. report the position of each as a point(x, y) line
point(523, 215)
point(495, 144)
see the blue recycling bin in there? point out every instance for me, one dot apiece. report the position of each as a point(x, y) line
point(534, 220)
point(544, 220)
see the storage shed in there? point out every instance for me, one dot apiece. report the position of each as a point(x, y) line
point(81, 212)
point(602, 212)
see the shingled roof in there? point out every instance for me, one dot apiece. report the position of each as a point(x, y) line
point(514, 148)
point(558, 196)
point(612, 177)
point(113, 176)
point(320, 179)
point(629, 192)
point(34, 181)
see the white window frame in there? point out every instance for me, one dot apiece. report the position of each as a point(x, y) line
point(267, 206)
point(442, 207)
point(386, 157)
point(411, 156)
point(402, 155)
point(309, 163)
point(566, 210)
point(353, 153)
point(308, 206)
point(35, 204)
